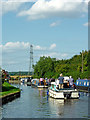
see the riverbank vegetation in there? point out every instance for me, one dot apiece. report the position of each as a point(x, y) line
point(51, 68)
point(8, 89)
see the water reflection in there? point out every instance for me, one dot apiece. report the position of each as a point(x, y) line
point(42, 92)
point(56, 106)
point(84, 94)
point(42, 97)
point(61, 107)
point(34, 103)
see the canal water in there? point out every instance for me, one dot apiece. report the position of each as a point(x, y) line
point(34, 103)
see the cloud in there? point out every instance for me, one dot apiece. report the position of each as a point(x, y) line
point(38, 47)
point(16, 46)
point(83, 15)
point(52, 46)
point(8, 6)
point(51, 54)
point(54, 24)
point(12, 5)
point(87, 24)
point(55, 8)
point(55, 55)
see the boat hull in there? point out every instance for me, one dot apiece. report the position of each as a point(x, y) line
point(64, 94)
point(83, 88)
point(39, 86)
point(42, 86)
point(54, 94)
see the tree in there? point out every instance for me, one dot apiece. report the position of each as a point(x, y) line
point(50, 67)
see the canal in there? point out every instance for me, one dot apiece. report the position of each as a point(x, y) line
point(34, 103)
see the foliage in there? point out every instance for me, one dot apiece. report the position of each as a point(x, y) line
point(50, 67)
point(44, 67)
point(6, 87)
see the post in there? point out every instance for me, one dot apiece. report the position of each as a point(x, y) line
point(19, 79)
point(82, 61)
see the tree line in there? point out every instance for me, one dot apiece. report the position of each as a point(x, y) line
point(51, 68)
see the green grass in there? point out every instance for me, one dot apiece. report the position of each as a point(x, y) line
point(8, 89)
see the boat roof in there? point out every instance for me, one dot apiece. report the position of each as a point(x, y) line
point(52, 83)
point(83, 80)
point(66, 78)
point(35, 79)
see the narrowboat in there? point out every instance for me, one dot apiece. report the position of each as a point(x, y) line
point(83, 84)
point(65, 93)
point(22, 80)
point(36, 83)
point(26, 80)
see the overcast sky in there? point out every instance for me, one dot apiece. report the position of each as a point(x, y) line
point(55, 28)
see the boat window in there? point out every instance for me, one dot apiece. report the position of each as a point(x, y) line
point(84, 83)
point(80, 82)
point(87, 83)
point(77, 82)
point(36, 82)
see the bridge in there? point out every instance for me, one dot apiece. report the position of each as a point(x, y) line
point(20, 76)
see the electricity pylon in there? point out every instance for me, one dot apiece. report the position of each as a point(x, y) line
point(31, 60)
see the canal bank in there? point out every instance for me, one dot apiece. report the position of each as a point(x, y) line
point(34, 103)
point(8, 93)
point(9, 97)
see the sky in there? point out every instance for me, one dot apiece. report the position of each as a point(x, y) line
point(55, 28)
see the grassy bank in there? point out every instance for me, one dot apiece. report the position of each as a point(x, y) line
point(8, 89)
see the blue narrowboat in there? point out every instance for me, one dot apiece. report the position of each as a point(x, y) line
point(83, 84)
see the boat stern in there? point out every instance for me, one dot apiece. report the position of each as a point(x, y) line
point(75, 94)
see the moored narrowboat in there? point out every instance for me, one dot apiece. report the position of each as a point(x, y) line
point(37, 83)
point(83, 84)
